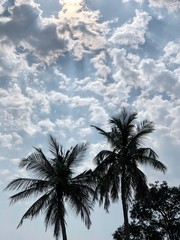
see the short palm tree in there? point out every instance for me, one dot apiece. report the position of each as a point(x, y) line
point(56, 183)
point(117, 170)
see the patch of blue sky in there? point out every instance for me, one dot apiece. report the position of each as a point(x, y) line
point(49, 9)
point(74, 68)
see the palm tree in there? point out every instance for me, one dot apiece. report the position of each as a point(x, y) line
point(56, 183)
point(117, 170)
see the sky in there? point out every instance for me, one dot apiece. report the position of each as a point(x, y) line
point(67, 64)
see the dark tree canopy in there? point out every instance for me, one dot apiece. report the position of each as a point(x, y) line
point(157, 217)
point(118, 169)
point(55, 183)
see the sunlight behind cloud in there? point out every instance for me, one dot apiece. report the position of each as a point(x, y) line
point(69, 2)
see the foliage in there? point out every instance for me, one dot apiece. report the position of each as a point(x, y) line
point(156, 217)
point(118, 169)
point(55, 183)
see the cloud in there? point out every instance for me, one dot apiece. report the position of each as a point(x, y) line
point(70, 123)
point(100, 64)
point(12, 64)
point(46, 126)
point(39, 100)
point(158, 77)
point(98, 114)
point(10, 140)
point(82, 28)
point(16, 110)
point(132, 34)
point(172, 54)
point(171, 5)
point(27, 29)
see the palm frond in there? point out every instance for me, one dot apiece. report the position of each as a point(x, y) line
point(49, 210)
point(80, 202)
point(138, 137)
point(76, 155)
point(58, 219)
point(35, 208)
point(149, 157)
point(115, 187)
point(48, 168)
point(54, 147)
point(34, 190)
point(25, 183)
point(136, 181)
point(38, 164)
point(124, 120)
point(105, 156)
point(108, 135)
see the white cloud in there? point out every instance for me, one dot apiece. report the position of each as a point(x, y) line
point(55, 96)
point(70, 123)
point(125, 67)
point(12, 64)
point(46, 125)
point(78, 101)
point(10, 140)
point(84, 132)
point(172, 53)
point(171, 5)
point(98, 114)
point(132, 34)
point(156, 76)
point(81, 28)
point(93, 85)
point(16, 110)
point(100, 64)
point(39, 99)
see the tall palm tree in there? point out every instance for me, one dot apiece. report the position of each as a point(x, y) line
point(117, 170)
point(56, 182)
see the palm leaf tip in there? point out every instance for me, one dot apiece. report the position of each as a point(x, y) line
point(54, 146)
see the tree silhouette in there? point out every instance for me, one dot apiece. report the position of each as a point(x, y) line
point(157, 216)
point(55, 183)
point(117, 170)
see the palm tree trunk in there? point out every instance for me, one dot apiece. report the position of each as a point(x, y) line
point(63, 228)
point(125, 209)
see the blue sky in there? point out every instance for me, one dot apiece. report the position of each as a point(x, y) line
point(65, 65)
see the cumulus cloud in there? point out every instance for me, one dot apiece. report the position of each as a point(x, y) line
point(132, 34)
point(157, 77)
point(70, 123)
point(98, 114)
point(172, 54)
point(12, 64)
point(82, 28)
point(12, 140)
point(171, 5)
point(100, 64)
point(26, 28)
point(39, 99)
point(16, 110)
point(46, 125)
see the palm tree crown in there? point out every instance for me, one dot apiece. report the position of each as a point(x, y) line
point(117, 170)
point(55, 182)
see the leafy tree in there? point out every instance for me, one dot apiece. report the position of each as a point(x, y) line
point(118, 169)
point(56, 183)
point(156, 217)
